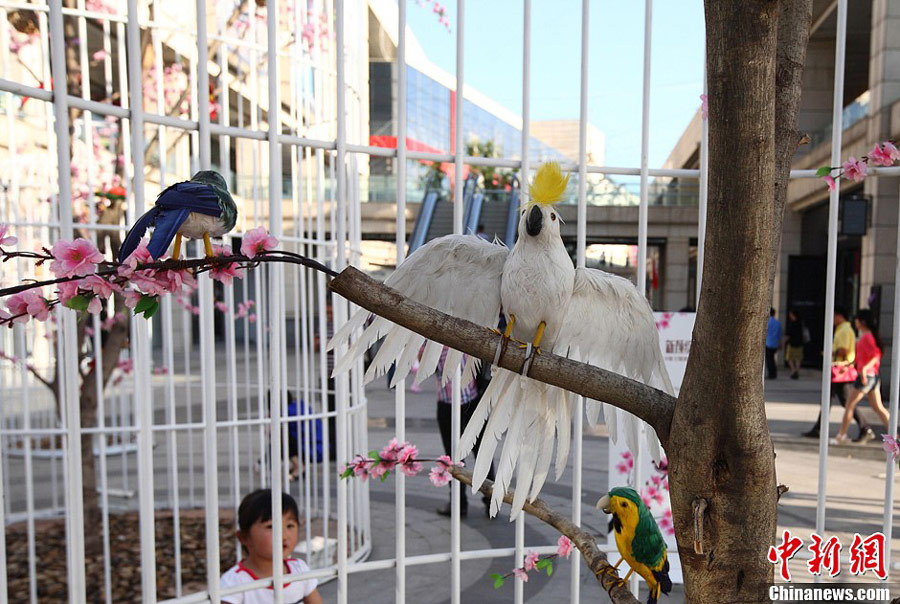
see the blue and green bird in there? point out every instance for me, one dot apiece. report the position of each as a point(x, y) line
point(199, 208)
point(638, 539)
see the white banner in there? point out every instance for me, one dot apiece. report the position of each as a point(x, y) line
point(640, 472)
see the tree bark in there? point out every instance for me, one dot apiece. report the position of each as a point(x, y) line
point(720, 450)
point(794, 19)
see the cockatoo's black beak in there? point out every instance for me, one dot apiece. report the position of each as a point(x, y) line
point(534, 222)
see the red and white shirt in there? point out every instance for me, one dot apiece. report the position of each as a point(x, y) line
point(294, 592)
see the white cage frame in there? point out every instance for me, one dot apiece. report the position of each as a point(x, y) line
point(344, 249)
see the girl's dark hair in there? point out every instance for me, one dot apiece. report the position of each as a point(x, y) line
point(866, 317)
point(257, 507)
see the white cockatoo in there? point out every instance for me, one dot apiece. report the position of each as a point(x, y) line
point(583, 314)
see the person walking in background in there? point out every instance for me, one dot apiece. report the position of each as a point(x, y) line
point(843, 372)
point(773, 343)
point(868, 382)
point(469, 396)
point(794, 341)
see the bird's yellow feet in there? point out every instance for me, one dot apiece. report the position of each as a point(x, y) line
point(208, 245)
point(504, 340)
point(533, 348)
point(176, 251)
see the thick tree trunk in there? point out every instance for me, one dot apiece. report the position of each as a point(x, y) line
point(720, 450)
point(794, 19)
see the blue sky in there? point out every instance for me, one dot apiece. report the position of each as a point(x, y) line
point(493, 63)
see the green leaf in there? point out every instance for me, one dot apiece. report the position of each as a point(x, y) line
point(385, 476)
point(543, 563)
point(152, 310)
point(347, 473)
point(549, 569)
point(823, 171)
point(144, 304)
point(498, 580)
point(373, 454)
point(79, 302)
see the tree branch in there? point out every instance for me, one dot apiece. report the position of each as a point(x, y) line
point(584, 541)
point(651, 405)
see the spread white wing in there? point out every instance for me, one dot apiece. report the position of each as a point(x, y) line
point(609, 324)
point(456, 274)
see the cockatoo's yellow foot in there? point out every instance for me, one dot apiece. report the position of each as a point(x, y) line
point(176, 251)
point(208, 245)
point(504, 339)
point(533, 348)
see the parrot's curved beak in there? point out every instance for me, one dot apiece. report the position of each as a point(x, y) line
point(534, 222)
point(603, 504)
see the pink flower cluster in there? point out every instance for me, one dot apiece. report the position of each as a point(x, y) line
point(627, 463)
point(891, 445)
point(225, 273)
point(28, 304)
point(882, 154)
point(76, 258)
point(533, 561)
point(439, 475)
point(404, 456)
point(257, 242)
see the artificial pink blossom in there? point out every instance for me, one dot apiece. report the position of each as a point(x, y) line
point(6, 239)
point(411, 469)
point(521, 574)
point(18, 305)
point(227, 272)
point(449, 463)
point(854, 169)
point(125, 365)
point(890, 445)
point(74, 258)
point(160, 370)
point(564, 546)
point(531, 559)
point(99, 55)
point(257, 241)
point(66, 290)
point(89, 332)
point(880, 157)
point(95, 306)
point(377, 470)
point(221, 307)
point(891, 150)
point(132, 297)
point(704, 106)
point(36, 305)
point(439, 476)
point(99, 286)
point(829, 180)
point(360, 466)
point(407, 454)
point(251, 318)
point(389, 454)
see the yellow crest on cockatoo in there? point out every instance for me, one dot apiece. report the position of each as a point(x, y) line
point(548, 185)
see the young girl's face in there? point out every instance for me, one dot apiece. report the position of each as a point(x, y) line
point(258, 540)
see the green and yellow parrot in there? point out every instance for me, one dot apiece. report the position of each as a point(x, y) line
point(638, 539)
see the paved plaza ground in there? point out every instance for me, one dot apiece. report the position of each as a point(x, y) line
point(855, 502)
point(855, 497)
